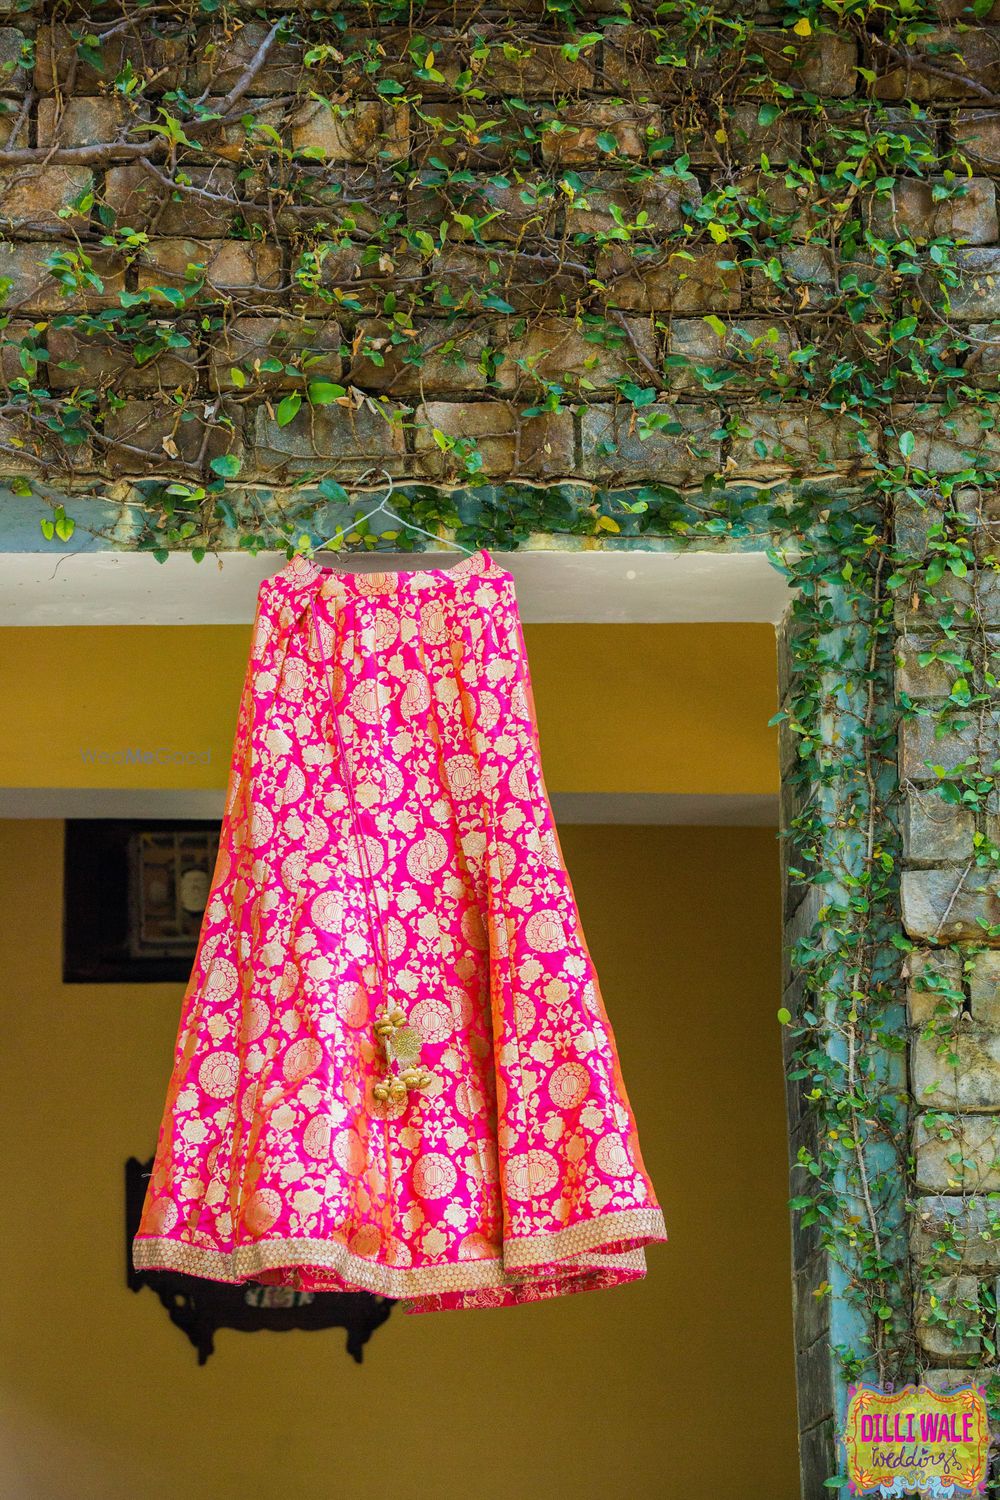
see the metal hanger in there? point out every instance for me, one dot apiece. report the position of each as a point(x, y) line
point(383, 509)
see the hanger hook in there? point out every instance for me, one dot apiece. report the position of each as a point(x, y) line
point(383, 506)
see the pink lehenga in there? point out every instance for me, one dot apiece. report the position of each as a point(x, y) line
point(393, 1069)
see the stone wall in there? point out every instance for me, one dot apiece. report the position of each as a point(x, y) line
point(266, 241)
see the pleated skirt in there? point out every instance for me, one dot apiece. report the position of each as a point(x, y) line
point(394, 1070)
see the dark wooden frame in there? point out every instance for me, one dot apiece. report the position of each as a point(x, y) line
point(96, 903)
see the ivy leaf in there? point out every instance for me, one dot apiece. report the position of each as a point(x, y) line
point(59, 525)
point(638, 395)
point(89, 50)
point(607, 143)
point(902, 329)
point(227, 466)
point(389, 86)
point(171, 294)
point(906, 443)
point(803, 27)
point(716, 325)
point(324, 392)
point(497, 304)
point(331, 490)
point(288, 408)
point(784, 1016)
point(767, 114)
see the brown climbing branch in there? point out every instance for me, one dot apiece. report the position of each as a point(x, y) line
point(103, 152)
point(250, 72)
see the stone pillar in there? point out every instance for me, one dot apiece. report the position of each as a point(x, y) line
point(811, 1316)
point(841, 988)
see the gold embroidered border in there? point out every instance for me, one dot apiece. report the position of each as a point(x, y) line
point(564, 1244)
point(519, 1261)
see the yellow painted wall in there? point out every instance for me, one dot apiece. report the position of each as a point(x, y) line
point(677, 1388)
point(622, 708)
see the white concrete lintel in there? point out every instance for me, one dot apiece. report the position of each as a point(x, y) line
point(599, 587)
